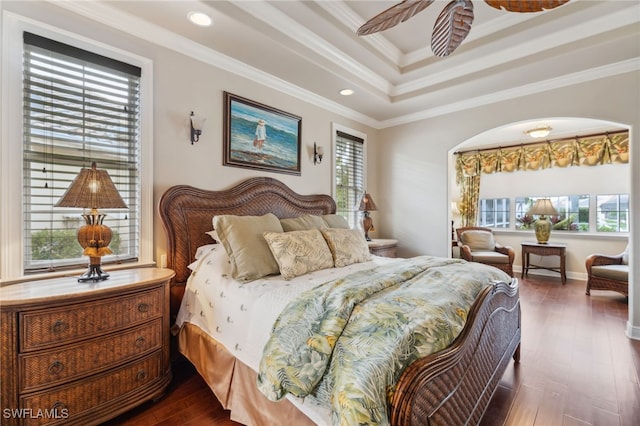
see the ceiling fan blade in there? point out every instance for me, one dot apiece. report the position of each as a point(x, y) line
point(393, 16)
point(452, 27)
point(525, 6)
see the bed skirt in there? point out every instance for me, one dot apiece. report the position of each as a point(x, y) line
point(234, 383)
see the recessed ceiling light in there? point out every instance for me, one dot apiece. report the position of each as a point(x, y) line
point(200, 18)
point(346, 92)
point(538, 132)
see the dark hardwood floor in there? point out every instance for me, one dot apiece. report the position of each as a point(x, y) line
point(577, 367)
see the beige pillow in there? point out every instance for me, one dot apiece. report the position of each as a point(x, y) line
point(248, 251)
point(299, 252)
point(478, 240)
point(335, 221)
point(347, 246)
point(302, 223)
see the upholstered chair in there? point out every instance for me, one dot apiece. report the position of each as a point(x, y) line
point(608, 272)
point(478, 245)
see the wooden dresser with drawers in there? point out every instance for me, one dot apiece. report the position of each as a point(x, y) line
point(82, 353)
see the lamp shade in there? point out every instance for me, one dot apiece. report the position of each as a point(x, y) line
point(367, 204)
point(543, 207)
point(93, 189)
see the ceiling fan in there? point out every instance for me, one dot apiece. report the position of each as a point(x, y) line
point(453, 23)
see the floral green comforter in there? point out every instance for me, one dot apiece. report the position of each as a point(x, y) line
point(345, 343)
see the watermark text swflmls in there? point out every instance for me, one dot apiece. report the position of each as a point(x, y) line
point(30, 413)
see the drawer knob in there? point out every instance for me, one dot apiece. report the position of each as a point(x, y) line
point(140, 342)
point(141, 375)
point(58, 326)
point(143, 307)
point(58, 407)
point(56, 367)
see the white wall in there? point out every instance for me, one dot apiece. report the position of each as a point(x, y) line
point(183, 84)
point(414, 158)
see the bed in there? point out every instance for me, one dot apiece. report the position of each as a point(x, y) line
point(450, 386)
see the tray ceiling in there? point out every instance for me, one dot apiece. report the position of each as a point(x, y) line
point(309, 49)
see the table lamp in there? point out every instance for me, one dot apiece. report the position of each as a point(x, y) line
point(367, 205)
point(542, 226)
point(93, 189)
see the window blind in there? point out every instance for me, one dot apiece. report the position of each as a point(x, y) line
point(349, 176)
point(78, 107)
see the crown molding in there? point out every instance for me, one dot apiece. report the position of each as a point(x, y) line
point(301, 34)
point(160, 36)
point(585, 76)
point(489, 56)
point(342, 13)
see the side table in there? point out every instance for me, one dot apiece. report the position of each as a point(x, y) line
point(549, 249)
point(383, 247)
point(83, 353)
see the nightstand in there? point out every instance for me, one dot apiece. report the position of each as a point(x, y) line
point(547, 249)
point(382, 247)
point(84, 352)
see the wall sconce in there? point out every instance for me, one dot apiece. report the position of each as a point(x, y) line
point(196, 127)
point(318, 152)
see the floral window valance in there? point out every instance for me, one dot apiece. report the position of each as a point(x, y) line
point(609, 148)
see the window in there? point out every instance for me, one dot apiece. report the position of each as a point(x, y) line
point(349, 175)
point(79, 107)
point(612, 213)
point(494, 213)
point(573, 212)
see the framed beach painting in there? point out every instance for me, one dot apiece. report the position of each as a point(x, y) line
point(257, 136)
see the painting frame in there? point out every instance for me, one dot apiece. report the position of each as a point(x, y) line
point(257, 136)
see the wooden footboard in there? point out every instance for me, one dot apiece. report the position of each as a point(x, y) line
point(454, 386)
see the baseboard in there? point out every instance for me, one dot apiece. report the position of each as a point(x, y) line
point(633, 332)
point(572, 275)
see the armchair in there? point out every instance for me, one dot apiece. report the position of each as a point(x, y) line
point(608, 272)
point(478, 245)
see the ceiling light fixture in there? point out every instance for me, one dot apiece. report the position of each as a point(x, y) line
point(347, 92)
point(199, 18)
point(538, 132)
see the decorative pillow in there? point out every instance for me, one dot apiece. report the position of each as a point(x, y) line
point(625, 256)
point(335, 221)
point(213, 234)
point(299, 252)
point(347, 246)
point(248, 251)
point(212, 254)
point(202, 250)
point(303, 223)
point(478, 240)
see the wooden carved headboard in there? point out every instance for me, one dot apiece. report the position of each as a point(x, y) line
point(187, 215)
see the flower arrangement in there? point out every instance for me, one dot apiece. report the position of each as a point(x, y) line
point(525, 222)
